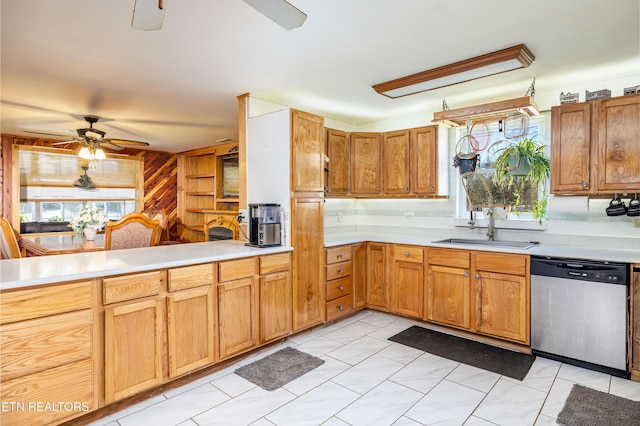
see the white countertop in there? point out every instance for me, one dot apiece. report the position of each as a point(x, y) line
point(16, 273)
point(590, 253)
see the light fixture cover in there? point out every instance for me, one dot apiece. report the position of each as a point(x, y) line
point(497, 62)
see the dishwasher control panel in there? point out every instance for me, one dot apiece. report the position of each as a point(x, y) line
point(579, 269)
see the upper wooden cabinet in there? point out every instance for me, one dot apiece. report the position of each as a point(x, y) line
point(338, 170)
point(307, 149)
point(366, 163)
point(395, 164)
point(595, 146)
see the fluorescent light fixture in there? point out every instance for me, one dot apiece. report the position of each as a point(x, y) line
point(279, 11)
point(504, 60)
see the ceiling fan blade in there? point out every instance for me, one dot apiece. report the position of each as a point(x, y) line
point(45, 133)
point(281, 12)
point(124, 142)
point(148, 15)
point(66, 142)
point(110, 145)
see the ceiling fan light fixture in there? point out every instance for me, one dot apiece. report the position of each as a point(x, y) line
point(100, 155)
point(504, 60)
point(281, 12)
point(85, 153)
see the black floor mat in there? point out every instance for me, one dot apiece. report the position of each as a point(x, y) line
point(491, 358)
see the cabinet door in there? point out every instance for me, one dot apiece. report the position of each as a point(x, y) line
point(338, 153)
point(618, 156)
point(133, 348)
point(448, 296)
point(237, 316)
point(408, 289)
point(424, 156)
point(307, 152)
point(307, 236)
point(571, 148)
point(190, 326)
point(366, 163)
point(504, 311)
point(377, 292)
point(275, 306)
point(396, 162)
point(359, 276)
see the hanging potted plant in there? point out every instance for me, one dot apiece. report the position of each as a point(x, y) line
point(522, 162)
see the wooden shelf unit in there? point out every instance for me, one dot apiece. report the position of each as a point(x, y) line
point(198, 188)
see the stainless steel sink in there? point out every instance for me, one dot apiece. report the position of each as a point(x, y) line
point(493, 243)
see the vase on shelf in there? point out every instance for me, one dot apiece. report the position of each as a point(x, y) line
point(90, 234)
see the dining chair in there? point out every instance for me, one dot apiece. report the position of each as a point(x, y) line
point(131, 231)
point(161, 216)
point(9, 248)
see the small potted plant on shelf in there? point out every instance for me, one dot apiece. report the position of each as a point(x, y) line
point(523, 163)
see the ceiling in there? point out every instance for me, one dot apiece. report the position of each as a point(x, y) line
point(177, 88)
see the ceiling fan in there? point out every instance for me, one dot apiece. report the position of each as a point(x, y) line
point(148, 15)
point(93, 141)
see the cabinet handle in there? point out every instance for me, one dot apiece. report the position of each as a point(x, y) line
point(340, 255)
point(341, 288)
point(466, 274)
point(406, 253)
point(406, 189)
point(341, 308)
point(477, 276)
point(432, 188)
point(378, 189)
point(585, 184)
point(340, 271)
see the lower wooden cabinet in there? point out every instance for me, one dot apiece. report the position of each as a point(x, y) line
point(338, 289)
point(190, 329)
point(133, 347)
point(449, 296)
point(359, 275)
point(377, 290)
point(635, 323)
point(407, 282)
point(237, 316)
point(275, 306)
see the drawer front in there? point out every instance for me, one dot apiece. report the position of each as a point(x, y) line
point(449, 257)
point(190, 276)
point(338, 254)
point(338, 288)
point(236, 269)
point(69, 386)
point(129, 287)
point(43, 343)
point(274, 263)
point(29, 304)
point(338, 307)
point(408, 253)
point(512, 264)
point(338, 270)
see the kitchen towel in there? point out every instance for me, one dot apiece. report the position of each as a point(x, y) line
point(279, 368)
point(491, 358)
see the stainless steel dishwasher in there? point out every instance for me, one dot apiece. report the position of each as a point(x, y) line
point(579, 312)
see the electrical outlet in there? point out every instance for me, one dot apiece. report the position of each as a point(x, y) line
point(242, 215)
point(408, 215)
point(339, 216)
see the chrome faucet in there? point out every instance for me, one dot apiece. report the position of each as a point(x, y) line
point(472, 221)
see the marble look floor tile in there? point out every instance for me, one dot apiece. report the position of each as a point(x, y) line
point(541, 375)
point(545, 421)
point(334, 421)
point(447, 403)
point(589, 378)
point(314, 407)
point(327, 371)
point(359, 350)
point(129, 410)
point(556, 398)
point(473, 377)
point(368, 374)
point(401, 353)
point(390, 329)
point(383, 405)
point(625, 388)
point(245, 409)
point(353, 332)
point(425, 372)
point(262, 422)
point(177, 409)
point(187, 423)
point(476, 421)
point(233, 385)
point(511, 403)
point(379, 319)
point(406, 421)
point(319, 346)
point(170, 393)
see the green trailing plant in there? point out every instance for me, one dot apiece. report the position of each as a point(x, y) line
point(56, 219)
point(529, 155)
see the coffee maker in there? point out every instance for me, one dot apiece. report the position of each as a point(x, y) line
point(264, 225)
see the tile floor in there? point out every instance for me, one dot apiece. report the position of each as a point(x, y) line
point(368, 380)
